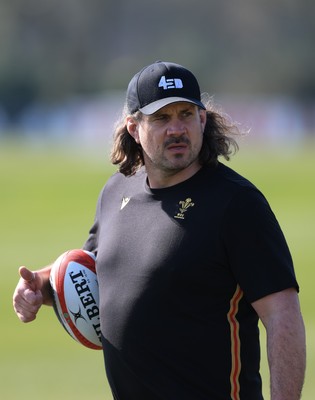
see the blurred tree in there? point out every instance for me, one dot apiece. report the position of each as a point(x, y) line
point(53, 49)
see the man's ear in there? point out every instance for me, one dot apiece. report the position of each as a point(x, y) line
point(132, 128)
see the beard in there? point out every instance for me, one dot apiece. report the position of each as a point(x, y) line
point(173, 163)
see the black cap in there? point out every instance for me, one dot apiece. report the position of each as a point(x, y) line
point(160, 84)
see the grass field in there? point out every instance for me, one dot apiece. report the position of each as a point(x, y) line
point(48, 198)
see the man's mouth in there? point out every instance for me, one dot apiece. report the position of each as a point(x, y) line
point(177, 144)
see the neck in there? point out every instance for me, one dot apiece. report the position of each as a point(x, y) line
point(159, 179)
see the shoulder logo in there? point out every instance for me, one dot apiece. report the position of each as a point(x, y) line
point(184, 205)
point(124, 202)
point(174, 83)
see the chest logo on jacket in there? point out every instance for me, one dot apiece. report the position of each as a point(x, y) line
point(184, 206)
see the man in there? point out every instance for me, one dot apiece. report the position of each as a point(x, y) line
point(189, 258)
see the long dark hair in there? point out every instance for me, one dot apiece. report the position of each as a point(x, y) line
point(218, 141)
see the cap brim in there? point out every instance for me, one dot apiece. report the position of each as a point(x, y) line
point(157, 105)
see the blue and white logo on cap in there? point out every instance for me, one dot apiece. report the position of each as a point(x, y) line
point(171, 83)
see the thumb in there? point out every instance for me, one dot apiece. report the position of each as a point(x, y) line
point(30, 278)
point(27, 274)
point(28, 296)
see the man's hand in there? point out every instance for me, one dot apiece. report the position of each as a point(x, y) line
point(31, 292)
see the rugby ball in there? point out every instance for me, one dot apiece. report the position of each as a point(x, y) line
point(75, 292)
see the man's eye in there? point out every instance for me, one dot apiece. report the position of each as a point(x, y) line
point(161, 117)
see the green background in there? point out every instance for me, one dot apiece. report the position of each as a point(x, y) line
point(47, 203)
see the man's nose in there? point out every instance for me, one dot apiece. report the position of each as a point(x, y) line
point(176, 128)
